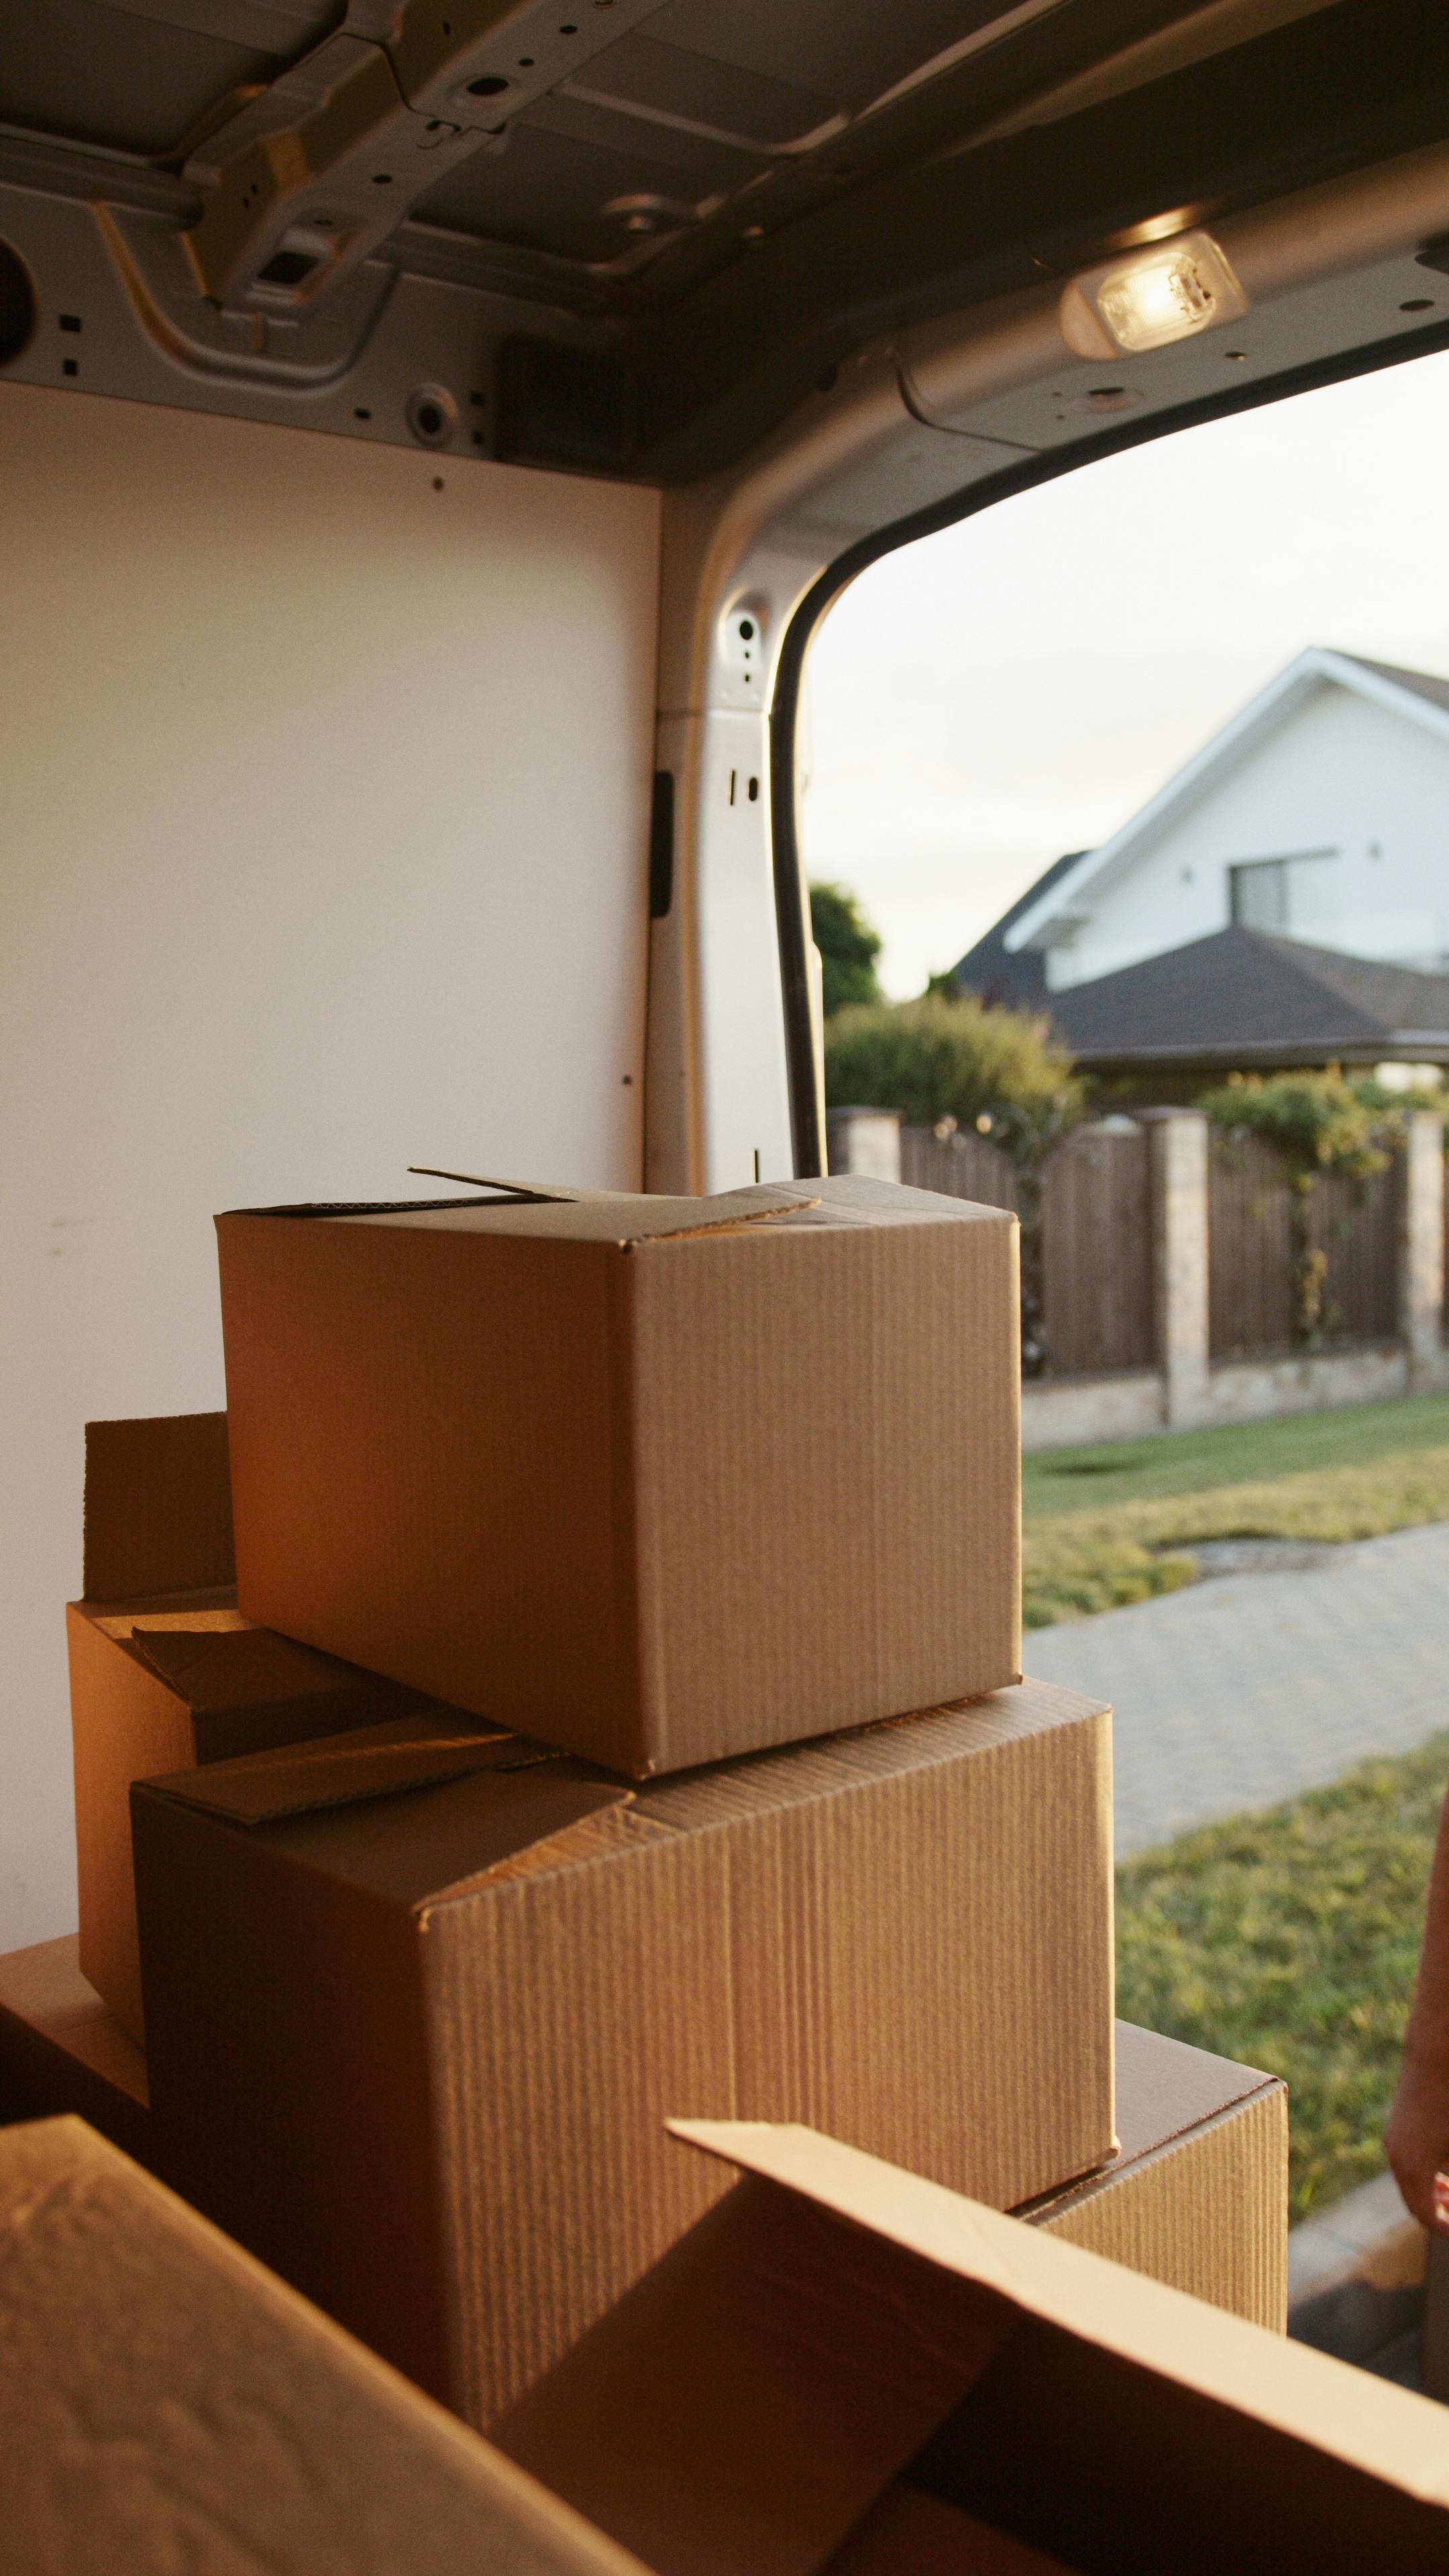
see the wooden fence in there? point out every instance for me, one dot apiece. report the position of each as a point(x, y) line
point(1096, 1243)
point(960, 1164)
point(1250, 1261)
point(1096, 1229)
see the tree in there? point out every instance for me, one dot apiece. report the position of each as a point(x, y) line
point(997, 1071)
point(848, 947)
point(1317, 1123)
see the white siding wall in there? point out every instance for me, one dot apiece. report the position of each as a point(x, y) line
point(323, 811)
point(1338, 773)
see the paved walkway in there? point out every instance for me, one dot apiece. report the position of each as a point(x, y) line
point(1249, 1687)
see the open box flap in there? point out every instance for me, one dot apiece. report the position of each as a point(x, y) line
point(617, 1217)
point(1383, 2431)
point(339, 1770)
point(745, 2403)
point(238, 1665)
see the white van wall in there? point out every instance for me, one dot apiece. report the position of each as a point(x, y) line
point(324, 820)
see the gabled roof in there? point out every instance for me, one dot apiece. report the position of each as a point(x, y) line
point(991, 970)
point(1418, 695)
point(1244, 997)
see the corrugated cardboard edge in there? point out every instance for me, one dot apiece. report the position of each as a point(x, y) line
point(201, 2371)
point(1385, 2432)
point(1205, 2212)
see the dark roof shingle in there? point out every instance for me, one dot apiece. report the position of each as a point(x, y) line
point(1246, 995)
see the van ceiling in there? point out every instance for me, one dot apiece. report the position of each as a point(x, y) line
point(678, 214)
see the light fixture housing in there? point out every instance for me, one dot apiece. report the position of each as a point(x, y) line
point(1169, 291)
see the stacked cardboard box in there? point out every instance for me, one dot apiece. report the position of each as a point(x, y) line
point(707, 1513)
point(165, 1670)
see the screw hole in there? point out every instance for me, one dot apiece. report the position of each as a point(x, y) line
point(754, 791)
point(1418, 304)
point(70, 366)
point(488, 85)
point(362, 415)
point(382, 178)
point(69, 321)
point(437, 482)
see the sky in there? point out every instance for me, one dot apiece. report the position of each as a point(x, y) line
point(987, 698)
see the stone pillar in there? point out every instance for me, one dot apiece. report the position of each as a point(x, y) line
point(1421, 1249)
point(1178, 1146)
point(865, 1140)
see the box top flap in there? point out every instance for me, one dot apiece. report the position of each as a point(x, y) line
point(157, 1507)
point(1164, 2089)
point(339, 1770)
point(1387, 2433)
point(243, 1666)
point(629, 1220)
point(618, 1217)
point(341, 1806)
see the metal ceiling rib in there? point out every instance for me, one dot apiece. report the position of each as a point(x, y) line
point(670, 215)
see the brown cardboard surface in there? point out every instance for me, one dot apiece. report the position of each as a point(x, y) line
point(658, 1481)
point(168, 2404)
point(911, 2534)
point(61, 2050)
point(165, 1671)
point(158, 1688)
point(1198, 2194)
point(158, 1507)
point(417, 2052)
point(1100, 2417)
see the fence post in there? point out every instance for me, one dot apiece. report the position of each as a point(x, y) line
point(1178, 1145)
point(865, 1140)
point(1421, 1249)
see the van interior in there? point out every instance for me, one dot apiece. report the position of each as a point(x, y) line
point(432, 432)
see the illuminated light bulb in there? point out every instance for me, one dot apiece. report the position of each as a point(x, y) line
point(1167, 293)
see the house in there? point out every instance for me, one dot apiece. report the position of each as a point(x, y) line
point(1320, 815)
point(1251, 1000)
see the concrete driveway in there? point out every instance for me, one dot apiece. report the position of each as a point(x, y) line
point(1248, 1687)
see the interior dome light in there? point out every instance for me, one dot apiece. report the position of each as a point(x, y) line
point(1166, 293)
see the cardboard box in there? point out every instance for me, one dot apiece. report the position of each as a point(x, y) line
point(837, 2339)
point(1198, 2193)
point(657, 1480)
point(168, 2405)
point(417, 2052)
point(61, 2050)
point(172, 1674)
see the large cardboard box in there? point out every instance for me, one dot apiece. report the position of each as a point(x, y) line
point(164, 1669)
point(1197, 2195)
point(658, 1480)
point(417, 2050)
point(62, 2051)
point(168, 2405)
point(845, 2367)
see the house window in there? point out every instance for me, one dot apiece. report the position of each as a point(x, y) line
point(1259, 892)
point(1297, 894)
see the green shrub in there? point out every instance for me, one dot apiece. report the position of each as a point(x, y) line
point(933, 1059)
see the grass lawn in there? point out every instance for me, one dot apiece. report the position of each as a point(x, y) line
point(1288, 1940)
point(1112, 1524)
